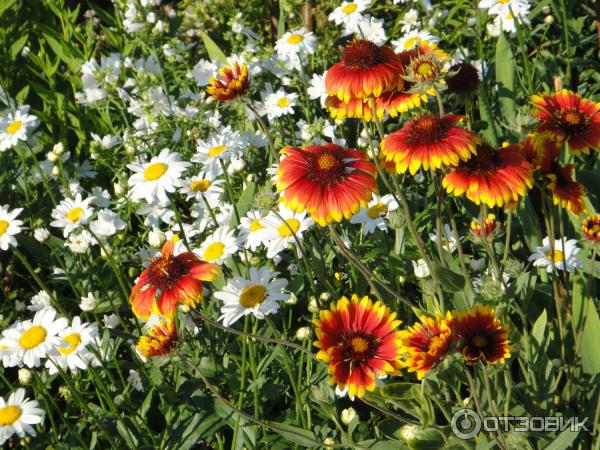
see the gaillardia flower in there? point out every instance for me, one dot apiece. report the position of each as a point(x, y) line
point(366, 70)
point(356, 108)
point(233, 82)
point(488, 228)
point(494, 177)
point(569, 117)
point(161, 340)
point(565, 190)
point(481, 336)
point(429, 142)
point(170, 280)
point(328, 181)
point(464, 79)
point(426, 343)
point(359, 340)
point(591, 228)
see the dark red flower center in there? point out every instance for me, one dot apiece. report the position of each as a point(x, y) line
point(488, 159)
point(427, 130)
point(327, 169)
point(166, 271)
point(358, 346)
point(572, 121)
point(361, 54)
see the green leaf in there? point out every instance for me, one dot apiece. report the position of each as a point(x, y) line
point(563, 441)
point(296, 435)
point(376, 444)
point(505, 77)
point(245, 200)
point(16, 46)
point(213, 50)
point(400, 391)
point(281, 21)
point(450, 281)
point(530, 224)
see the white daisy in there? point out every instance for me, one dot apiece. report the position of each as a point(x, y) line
point(71, 214)
point(74, 354)
point(375, 214)
point(543, 257)
point(412, 39)
point(278, 103)
point(219, 146)
point(218, 246)
point(252, 230)
point(88, 303)
point(349, 13)
point(80, 242)
point(296, 45)
point(204, 185)
point(203, 71)
point(9, 226)
point(17, 415)
point(421, 269)
point(410, 20)
point(448, 244)
point(316, 88)
point(152, 180)
point(369, 28)
point(39, 301)
point(31, 340)
point(259, 296)
point(107, 223)
point(16, 126)
point(278, 234)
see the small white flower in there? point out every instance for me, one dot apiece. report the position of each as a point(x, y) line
point(80, 242)
point(294, 47)
point(88, 303)
point(448, 240)
point(41, 234)
point(74, 353)
point(204, 187)
point(374, 215)
point(420, 268)
point(10, 226)
point(278, 233)
point(107, 223)
point(252, 230)
point(221, 244)
point(218, 147)
point(413, 39)
point(16, 126)
point(39, 301)
point(349, 12)
point(203, 71)
point(135, 380)
point(316, 88)
point(278, 103)
point(410, 20)
point(70, 214)
point(19, 414)
point(563, 257)
point(111, 321)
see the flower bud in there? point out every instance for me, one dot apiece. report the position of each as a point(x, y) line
point(58, 149)
point(348, 415)
point(292, 300)
point(119, 188)
point(156, 238)
point(313, 307)
point(549, 20)
point(24, 376)
point(325, 296)
point(303, 333)
point(329, 442)
point(55, 171)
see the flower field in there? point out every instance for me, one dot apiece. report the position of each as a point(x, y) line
point(293, 224)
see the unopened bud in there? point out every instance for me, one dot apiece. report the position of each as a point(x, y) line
point(55, 171)
point(292, 300)
point(52, 157)
point(58, 149)
point(303, 333)
point(24, 376)
point(156, 238)
point(325, 296)
point(348, 415)
point(313, 307)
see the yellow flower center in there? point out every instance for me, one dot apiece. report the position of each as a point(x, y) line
point(283, 102)
point(284, 229)
point(295, 39)
point(75, 214)
point(426, 69)
point(253, 295)
point(14, 127)
point(9, 415)
point(374, 211)
point(73, 339)
point(327, 161)
point(214, 251)
point(216, 151)
point(411, 42)
point(359, 344)
point(503, 1)
point(3, 227)
point(155, 171)
point(349, 8)
point(509, 16)
point(558, 256)
point(255, 225)
point(480, 340)
point(33, 337)
point(200, 185)
point(572, 118)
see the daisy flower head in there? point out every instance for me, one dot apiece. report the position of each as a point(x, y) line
point(566, 192)
point(590, 227)
point(75, 354)
point(349, 13)
point(448, 240)
point(161, 339)
point(204, 186)
point(360, 341)
point(487, 229)
point(279, 103)
point(16, 126)
point(154, 179)
point(71, 214)
point(316, 88)
point(218, 246)
point(427, 342)
point(481, 336)
point(296, 44)
point(31, 340)
point(232, 82)
point(18, 414)
point(495, 176)
point(563, 257)
point(252, 230)
point(10, 226)
point(375, 214)
point(328, 181)
point(414, 39)
point(170, 280)
point(283, 229)
point(429, 142)
point(569, 117)
point(259, 296)
point(365, 70)
point(217, 148)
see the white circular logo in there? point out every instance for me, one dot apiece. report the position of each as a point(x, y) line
point(466, 423)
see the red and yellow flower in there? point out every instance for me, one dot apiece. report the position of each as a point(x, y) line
point(565, 190)
point(569, 117)
point(488, 228)
point(495, 177)
point(170, 280)
point(359, 340)
point(161, 340)
point(481, 336)
point(233, 82)
point(356, 108)
point(429, 142)
point(541, 150)
point(427, 343)
point(366, 70)
point(330, 182)
point(590, 228)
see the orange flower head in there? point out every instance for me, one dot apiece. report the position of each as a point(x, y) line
point(566, 191)
point(355, 109)
point(429, 142)
point(488, 228)
point(397, 102)
point(161, 340)
point(328, 181)
point(359, 340)
point(541, 150)
point(426, 343)
point(233, 82)
point(591, 228)
point(366, 70)
point(569, 117)
point(170, 280)
point(481, 336)
point(495, 177)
